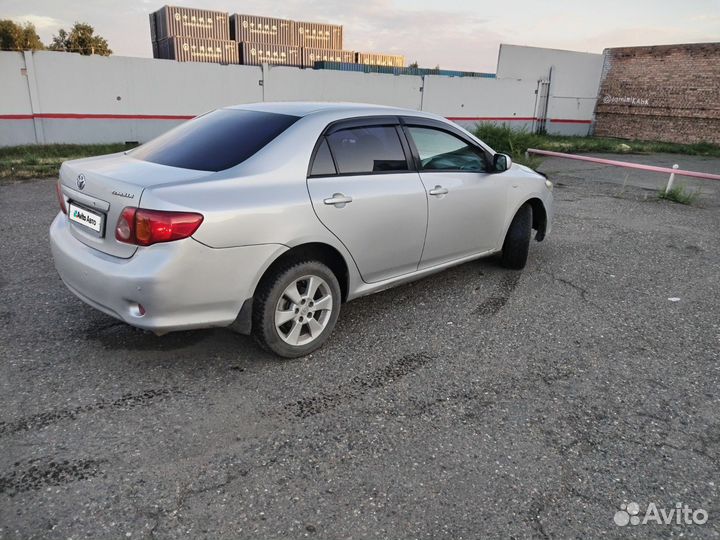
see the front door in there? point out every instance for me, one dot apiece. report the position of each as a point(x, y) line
point(466, 202)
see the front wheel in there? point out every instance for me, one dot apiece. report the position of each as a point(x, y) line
point(296, 308)
point(517, 241)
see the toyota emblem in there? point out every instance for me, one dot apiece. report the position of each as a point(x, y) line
point(81, 181)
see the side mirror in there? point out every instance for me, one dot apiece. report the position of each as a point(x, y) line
point(501, 162)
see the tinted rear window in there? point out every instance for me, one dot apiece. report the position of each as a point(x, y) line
point(366, 150)
point(215, 141)
point(323, 164)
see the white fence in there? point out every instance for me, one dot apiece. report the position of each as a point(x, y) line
point(50, 97)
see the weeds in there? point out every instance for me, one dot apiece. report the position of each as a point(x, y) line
point(515, 143)
point(39, 161)
point(679, 194)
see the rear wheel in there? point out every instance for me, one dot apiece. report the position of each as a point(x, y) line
point(295, 308)
point(517, 241)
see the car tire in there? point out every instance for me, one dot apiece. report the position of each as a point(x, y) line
point(517, 240)
point(288, 318)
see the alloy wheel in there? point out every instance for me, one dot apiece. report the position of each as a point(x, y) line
point(303, 310)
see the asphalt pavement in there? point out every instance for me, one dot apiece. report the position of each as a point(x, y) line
point(476, 403)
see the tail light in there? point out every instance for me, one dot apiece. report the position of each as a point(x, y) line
point(147, 227)
point(60, 196)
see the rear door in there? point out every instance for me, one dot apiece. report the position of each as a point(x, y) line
point(365, 191)
point(466, 202)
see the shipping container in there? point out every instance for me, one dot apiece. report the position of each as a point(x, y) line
point(254, 29)
point(171, 21)
point(311, 55)
point(418, 72)
point(188, 49)
point(254, 54)
point(377, 59)
point(153, 28)
point(319, 35)
point(341, 66)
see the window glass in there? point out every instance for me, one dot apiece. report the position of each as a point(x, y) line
point(215, 141)
point(323, 163)
point(440, 150)
point(366, 150)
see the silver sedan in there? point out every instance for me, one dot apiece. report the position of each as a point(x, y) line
point(267, 217)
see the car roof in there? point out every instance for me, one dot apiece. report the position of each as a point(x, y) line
point(307, 108)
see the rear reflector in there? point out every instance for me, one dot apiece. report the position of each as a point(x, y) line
point(147, 227)
point(60, 196)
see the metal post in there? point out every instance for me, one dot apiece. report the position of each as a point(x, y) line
point(671, 179)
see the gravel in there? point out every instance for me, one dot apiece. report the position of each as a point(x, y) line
point(475, 403)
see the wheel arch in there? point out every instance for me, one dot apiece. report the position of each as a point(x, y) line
point(540, 217)
point(320, 251)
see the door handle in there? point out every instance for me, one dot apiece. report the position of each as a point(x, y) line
point(338, 199)
point(438, 190)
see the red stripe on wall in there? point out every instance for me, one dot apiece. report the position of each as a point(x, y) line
point(489, 118)
point(569, 121)
point(82, 116)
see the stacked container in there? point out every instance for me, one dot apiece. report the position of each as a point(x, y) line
point(190, 49)
point(170, 21)
point(376, 59)
point(311, 55)
point(417, 72)
point(200, 35)
point(253, 29)
point(318, 35)
point(267, 40)
point(255, 54)
point(192, 35)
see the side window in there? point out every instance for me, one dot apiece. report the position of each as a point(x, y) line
point(323, 164)
point(366, 150)
point(441, 151)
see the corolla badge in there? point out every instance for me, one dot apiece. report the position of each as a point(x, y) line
point(81, 182)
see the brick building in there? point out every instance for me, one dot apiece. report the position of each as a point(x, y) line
point(663, 93)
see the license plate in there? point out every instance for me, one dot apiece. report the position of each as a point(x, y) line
point(86, 218)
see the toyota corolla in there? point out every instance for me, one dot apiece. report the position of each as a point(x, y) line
point(267, 217)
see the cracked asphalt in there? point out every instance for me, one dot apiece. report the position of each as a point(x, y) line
point(476, 403)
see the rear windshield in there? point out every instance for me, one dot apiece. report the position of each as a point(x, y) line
point(215, 141)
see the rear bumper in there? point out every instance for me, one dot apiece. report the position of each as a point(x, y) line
point(181, 285)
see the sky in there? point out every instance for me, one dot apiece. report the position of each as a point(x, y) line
point(454, 34)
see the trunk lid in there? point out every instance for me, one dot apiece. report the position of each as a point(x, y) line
point(102, 186)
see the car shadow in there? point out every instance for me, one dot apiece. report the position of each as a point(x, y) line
point(232, 350)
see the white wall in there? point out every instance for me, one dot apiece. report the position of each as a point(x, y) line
point(293, 84)
point(15, 106)
point(573, 87)
point(50, 97)
point(469, 100)
point(144, 86)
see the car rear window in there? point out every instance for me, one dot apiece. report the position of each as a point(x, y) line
point(367, 150)
point(215, 141)
point(323, 164)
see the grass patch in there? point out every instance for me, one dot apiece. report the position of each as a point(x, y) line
point(679, 194)
point(40, 161)
point(515, 143)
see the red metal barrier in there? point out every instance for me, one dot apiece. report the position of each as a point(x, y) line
point(627, 165)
